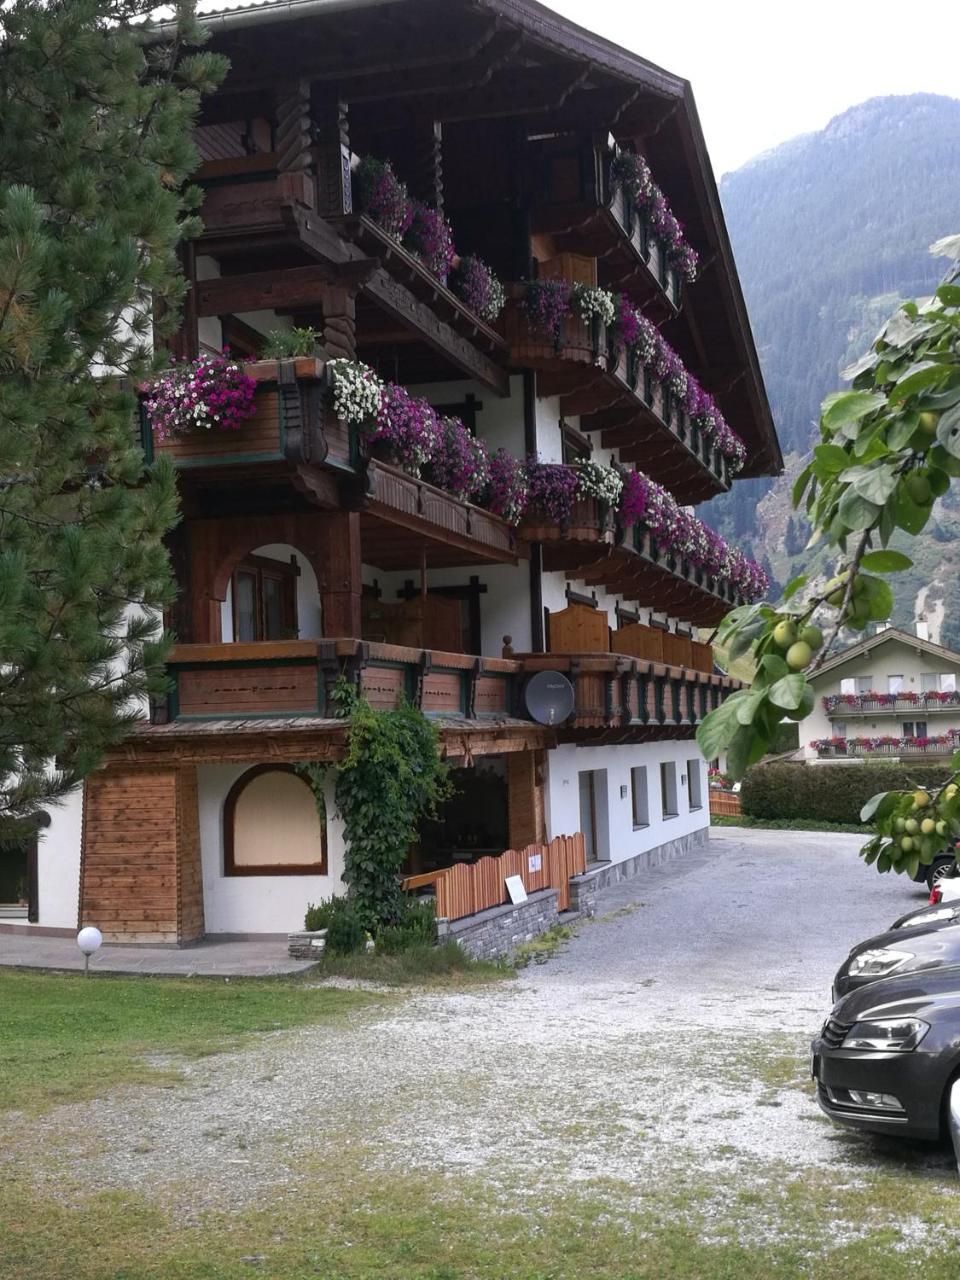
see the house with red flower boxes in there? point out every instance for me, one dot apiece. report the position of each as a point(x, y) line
point(486, 351)
point(891, 695)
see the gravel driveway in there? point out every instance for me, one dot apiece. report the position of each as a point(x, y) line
point(664, 1046)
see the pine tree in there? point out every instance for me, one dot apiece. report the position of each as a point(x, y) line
point(95, 149)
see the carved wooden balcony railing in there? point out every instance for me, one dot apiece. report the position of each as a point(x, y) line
point(839, 706)
point(576, 542)
point(583, 211)
point(612, 394)
point(295, 678)
point(628, 699)
point(580, 628)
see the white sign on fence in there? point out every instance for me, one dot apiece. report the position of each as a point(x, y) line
point(534, 861)
point(516, 890)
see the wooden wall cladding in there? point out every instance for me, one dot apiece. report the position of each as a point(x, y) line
point(383, 687)
point(492, 696)
point(254, 690)
point(442, 693)
point(677, 650)
point(258, 437)
point(140, 875)
point(579, 629)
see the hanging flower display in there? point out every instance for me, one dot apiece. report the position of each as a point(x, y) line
point(678, 532)
point(476, 285)
point(430, 237)
point(211, 391)
point(603, 484)
point(591, 303)
point(461, 464)
point(551, 490)
point(632, 173)
point(356, 391)
point(382, 196)
point(547, 303)
point(507, 491)
point(408, 428)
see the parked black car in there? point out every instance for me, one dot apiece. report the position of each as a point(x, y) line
point(927, 917)
point(888, 1058)
point(934, 946)
point(944, 864)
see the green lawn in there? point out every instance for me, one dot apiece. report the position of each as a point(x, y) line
point(66, 1037)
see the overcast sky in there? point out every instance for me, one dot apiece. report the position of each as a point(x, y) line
point(765, 70)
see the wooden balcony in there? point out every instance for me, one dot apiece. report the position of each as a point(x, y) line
point(622, 698)
point(589, 532)
point(841, 706)
point(581, 629)
point(582, 211)
point(611, 394)
point(295, 678)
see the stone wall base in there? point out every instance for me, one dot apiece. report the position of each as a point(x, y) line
point(584, 889)
point(493, 934)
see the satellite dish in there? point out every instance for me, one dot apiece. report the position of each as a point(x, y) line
point(548, 697)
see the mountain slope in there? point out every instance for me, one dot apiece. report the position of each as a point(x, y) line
point(830, 230)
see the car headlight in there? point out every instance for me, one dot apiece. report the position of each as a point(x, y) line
point(896, 1035)
point(877, 963)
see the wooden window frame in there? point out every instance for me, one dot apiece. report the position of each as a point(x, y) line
point(287, 574)
point(230, 867)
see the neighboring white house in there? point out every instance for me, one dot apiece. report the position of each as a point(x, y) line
point(893, 694)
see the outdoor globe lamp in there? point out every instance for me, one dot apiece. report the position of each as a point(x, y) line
point(89, 940)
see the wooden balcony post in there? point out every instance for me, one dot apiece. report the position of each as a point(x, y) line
point(525, 798)
point(332, 159)
point(294, 142)
point(427, 179)
point(339, 304)
point(341, 585)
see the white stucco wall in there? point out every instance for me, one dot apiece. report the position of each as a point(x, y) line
point(58, 867)
point(565, 764)
point(257, 904)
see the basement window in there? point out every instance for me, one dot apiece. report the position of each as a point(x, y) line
point(694, 785)
point(668, 789)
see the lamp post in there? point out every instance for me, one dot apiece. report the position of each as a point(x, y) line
point(89, 940)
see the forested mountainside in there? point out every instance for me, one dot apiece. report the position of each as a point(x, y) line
point(830, 231)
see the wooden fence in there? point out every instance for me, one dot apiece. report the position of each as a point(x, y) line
point(466, 888)
point(725, 804)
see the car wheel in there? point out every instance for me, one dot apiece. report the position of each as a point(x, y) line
point(938, 868)
point(953, 1116)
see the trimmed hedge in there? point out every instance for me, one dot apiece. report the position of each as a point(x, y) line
point(828, 792)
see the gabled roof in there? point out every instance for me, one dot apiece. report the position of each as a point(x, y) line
point(884, 637)
point(518, 57)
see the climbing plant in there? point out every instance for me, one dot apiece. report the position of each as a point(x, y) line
point(391, 778)
point(888, 449)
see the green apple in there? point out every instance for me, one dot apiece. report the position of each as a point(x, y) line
point(812, 636)
point(899, 824)
point(921, 799)
point(784, 633)
point(906, 844)
point(928, 826)
point(941, 828)
point(928, 422)
point(912, 826)
point(918, 487)
point(799, 655)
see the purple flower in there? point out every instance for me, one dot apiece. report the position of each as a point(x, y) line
point(552, 489)
point(478, 287)
point(547, 303)
point(408, 428)
point(507, 491)
point(461, 464)
point(382, 196)
point(211, 391)
point(430, 237)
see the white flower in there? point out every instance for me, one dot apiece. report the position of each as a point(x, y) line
point(588, 302)
point(356, 391)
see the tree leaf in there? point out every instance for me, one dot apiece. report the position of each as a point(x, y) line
point(872, 805)
point(948, 431)
point(926, 373)
point(879, 593)
point(749, 706)
point(909, 515)
point(902, 430)
point(875, 483)
point(794, 585)
point(800, 484)
point(885, 562)
point(857, 512)
point(788, 692)
point(718, 729)
point(949, 294)
point(774, 666)
point(830, 459)
point(848, 406)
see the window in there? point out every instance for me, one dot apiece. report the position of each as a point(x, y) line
point(694, 793)
point(839, 728)
point(895, 684)
point(929, 682)
point(668, 789)
point(641, 797)
point(265, 600)
point(948, 682)
point(273, 825)
point(848, 685)
point(914, 728)
point(864, 684)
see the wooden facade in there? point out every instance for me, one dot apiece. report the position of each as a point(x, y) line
point(508, 120)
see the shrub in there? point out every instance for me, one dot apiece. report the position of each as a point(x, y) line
point(828, 792)
point(340, 918)
point(417, 927)
point(281, 344)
